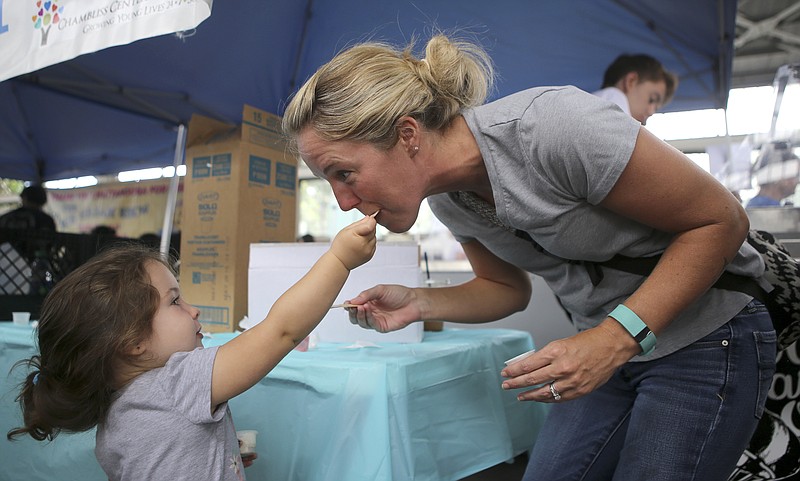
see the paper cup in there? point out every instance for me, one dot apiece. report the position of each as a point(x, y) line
point(247, 441)
point(21, 318)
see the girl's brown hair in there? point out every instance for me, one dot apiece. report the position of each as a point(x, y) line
point(88, 324)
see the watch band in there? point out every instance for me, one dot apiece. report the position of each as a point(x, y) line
point(635, 327)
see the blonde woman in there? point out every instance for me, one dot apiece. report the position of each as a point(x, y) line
point(666, 378)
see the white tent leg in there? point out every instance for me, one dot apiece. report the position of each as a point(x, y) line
point(172, 196)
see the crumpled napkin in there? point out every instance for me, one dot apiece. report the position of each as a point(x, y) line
point(246, 323)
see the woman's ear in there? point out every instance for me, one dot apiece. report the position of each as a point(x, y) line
point(408, 134)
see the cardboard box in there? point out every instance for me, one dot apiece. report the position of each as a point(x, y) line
point(276, 267)
point(240, 188)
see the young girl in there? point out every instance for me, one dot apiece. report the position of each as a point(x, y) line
point(121, 350)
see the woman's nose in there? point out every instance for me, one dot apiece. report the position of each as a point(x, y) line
point(345, 198)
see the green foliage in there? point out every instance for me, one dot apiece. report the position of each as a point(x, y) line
point(11, 187)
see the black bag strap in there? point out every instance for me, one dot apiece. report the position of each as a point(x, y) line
point(643, 266)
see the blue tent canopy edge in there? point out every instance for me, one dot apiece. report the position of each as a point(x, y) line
point(118, 109)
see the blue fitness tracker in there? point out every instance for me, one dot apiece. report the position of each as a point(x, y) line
point(635, 327)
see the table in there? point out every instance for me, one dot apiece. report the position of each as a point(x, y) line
point(426, 411)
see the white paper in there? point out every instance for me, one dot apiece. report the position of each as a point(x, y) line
point(36, 34)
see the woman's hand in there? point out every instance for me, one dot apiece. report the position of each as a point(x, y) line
point(385, 308)
point(574, 366)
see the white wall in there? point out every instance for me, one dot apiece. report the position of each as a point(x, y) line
point(543, 319)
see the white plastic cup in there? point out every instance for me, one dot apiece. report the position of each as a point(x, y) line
point(21, 318)
point(247, 441)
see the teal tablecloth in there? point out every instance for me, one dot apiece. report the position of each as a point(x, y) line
point(427, 411)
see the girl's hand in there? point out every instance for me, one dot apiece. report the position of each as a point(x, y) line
point(247, 459)
point(355, 244)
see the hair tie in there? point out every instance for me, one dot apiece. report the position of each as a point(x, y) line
point(36, 379)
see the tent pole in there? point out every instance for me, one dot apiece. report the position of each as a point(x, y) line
point(728, 146)
point(172, 197)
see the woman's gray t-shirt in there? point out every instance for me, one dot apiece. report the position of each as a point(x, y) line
point(552, 155)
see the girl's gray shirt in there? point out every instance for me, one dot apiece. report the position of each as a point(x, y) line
point(161, 426)
point(552, 155)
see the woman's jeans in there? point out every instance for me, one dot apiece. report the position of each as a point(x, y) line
point(687, 416)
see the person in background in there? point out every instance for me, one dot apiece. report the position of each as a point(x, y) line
point(638, 84)
point(666, 378)
point(777, 171)
point(33, 234)
point(103, 230)
point(151, 239)
point(120, 349)
point(30, 215)
point(104, 235)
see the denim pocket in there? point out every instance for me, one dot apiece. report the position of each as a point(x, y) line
point(766, 347)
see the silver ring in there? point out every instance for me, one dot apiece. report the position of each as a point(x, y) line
point(556, 395)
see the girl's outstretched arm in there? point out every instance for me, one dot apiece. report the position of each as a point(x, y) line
point(243, 361)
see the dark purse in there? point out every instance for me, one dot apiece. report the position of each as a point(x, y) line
point(783, 272)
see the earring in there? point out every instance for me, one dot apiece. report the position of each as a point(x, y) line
point(416, 148)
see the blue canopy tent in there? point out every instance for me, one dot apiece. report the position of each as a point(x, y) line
point(119, 108)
